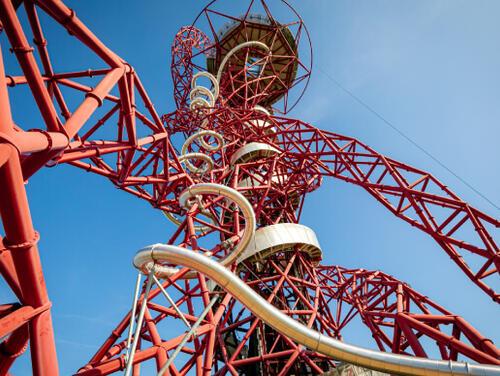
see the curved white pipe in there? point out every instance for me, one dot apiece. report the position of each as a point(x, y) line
point(198, 103)
point(245, 237)
point(262, 110)
point(254, 43)
point(240, 200)
point(197, 170)
point(202, 90)
point(287, 326)
point(215, 83)
point(185, 157)
point(204, 144)
point(207, 146)
point(176, 221)
point(261, 123)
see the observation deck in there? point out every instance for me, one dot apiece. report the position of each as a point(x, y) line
point(264, 77)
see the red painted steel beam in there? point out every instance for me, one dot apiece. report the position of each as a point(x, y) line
point(21, 238)
point(19, 317)
point(41, 43)
point(24, 54)
point(35, 141)
point(93, 100)
point(185, 41)
point(68, 19)
point(348, 159)
point(12, 347)
point(372, 294)
point(149, 168)
point(7, 268)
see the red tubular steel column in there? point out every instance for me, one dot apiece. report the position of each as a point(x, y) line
point(28, 63)
point(12, 347)
point(20, 239)
point(7, 269)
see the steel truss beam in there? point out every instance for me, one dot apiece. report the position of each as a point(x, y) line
point(136, 154)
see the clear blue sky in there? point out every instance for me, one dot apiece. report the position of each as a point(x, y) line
point(429, 66)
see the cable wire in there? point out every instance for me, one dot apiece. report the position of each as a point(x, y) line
point(405, 136)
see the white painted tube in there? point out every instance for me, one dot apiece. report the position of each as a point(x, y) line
point(199, 135)
point(202, 90)
point(251, 43)
point(207, 166)
point(215, 83)
point(262, 110)
point(245, 237)
point(176, 221)
point(198, 102)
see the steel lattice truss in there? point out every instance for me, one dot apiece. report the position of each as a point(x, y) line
point(114, 131)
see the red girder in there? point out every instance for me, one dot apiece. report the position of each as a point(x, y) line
point(411, 194)
point(384, 303)
point(187, 39)
point(400, 319)
point(137, 156)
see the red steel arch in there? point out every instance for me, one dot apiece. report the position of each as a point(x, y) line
point(138, 157)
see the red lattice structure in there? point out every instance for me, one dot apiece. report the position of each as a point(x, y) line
point(237, 136)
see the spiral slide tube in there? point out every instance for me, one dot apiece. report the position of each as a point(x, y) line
point(251, 43)
point(245, 236)
point(199, 135)
point(176, 221)
point(197, 93)
point(185, 156)
point(287, 326)
point(215, 83)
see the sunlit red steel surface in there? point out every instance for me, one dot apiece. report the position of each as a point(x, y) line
point(137, 156)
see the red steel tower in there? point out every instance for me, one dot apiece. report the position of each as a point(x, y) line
point(240, 273)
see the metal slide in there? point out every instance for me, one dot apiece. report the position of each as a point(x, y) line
point(287, 326)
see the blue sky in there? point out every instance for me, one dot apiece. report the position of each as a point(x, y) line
point(430, 67)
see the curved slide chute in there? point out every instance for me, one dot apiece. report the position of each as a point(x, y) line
point(287, 326)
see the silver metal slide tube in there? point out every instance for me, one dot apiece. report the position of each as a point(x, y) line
point(287, 326)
